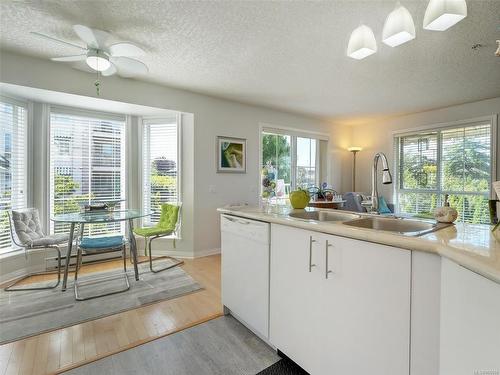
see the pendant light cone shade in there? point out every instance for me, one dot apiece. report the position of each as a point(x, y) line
point(440, 15)
point(398, 27)
point(362, 43)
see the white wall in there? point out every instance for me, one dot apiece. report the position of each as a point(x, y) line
point(378, 136)
point(212, 117)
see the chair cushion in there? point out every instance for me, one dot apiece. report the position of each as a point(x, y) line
point(101, 243)
point(54, 239)
point(27, 226)
point(151, 231)
point(166, 225)
point(168, 217)
point(382, 206)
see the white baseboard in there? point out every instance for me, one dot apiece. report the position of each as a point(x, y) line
point(182, 254)
point(207, 252)
point(20, 272)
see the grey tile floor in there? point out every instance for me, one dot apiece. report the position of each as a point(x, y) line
point(220, 346)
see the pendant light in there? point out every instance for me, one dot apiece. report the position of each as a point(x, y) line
point(362, 43)
point(398, 27)
point(440, 15)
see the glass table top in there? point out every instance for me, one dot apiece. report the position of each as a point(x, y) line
point(100, 216)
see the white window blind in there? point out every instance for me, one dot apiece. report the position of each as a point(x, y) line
point(454, 161)
point(160, 165)
point(13, 119)
point(87, 153)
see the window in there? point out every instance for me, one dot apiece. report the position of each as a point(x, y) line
point(87, 153)
point(292, 159)
point(305, 171)
point(454, 161)
point(13, 123)
point(160, 165)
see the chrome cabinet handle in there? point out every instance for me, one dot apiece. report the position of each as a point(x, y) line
point(310, 253)
point(327, 271)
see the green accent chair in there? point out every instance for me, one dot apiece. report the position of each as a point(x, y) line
point(169, 224)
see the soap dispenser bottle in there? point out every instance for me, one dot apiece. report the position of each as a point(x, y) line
point(446, 214)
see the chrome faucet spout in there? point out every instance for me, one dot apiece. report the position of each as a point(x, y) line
point(386, 178)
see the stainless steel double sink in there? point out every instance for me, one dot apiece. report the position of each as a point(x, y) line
point(408, 227)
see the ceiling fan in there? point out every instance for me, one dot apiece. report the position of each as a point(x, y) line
point(101, 56)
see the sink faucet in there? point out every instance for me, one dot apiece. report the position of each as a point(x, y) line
point(386, 178)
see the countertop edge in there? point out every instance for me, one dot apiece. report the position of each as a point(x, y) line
point(383, 238)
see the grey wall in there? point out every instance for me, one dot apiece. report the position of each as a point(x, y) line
point(378, 136)
point(210, 117)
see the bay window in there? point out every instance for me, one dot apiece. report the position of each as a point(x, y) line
point(454, 161)
point(161, 180)
point(87, 153)
point(13, 168)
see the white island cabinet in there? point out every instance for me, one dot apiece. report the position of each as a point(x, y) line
point(337, 305)
point(470, 322)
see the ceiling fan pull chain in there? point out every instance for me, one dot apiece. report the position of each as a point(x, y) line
point(97, 84)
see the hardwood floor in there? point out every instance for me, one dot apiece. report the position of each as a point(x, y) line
point(63, 349)
point(222, 346)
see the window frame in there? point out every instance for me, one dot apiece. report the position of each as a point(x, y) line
point(294, 134)
point(439, 128)
point(93, 114)
point(143, 122)
point(28, 170)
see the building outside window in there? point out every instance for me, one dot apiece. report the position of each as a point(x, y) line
point(92, 168)
point(161, 169)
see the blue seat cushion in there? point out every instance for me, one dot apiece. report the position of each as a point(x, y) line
point(383, 208)
point(109, 242)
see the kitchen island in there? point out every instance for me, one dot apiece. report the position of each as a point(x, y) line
point(344, 299)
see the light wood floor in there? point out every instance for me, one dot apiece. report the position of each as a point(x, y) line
point(66, 348)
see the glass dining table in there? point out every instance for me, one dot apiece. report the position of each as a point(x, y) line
point(95, 217)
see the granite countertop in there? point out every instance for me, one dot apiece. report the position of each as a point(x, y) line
point(472, 246)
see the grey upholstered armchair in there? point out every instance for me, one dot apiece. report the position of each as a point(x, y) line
point(26, 232)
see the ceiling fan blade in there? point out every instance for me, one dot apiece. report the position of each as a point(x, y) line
point(93, 37)
point(125, 49)
point(82, 65)
point(70, 58)
point(57, 40)
point(110, 71)
point(128, 67)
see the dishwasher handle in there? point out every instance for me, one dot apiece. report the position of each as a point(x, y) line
point(239, 221)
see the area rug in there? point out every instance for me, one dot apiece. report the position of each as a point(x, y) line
point(284, 366)
point(27, 313)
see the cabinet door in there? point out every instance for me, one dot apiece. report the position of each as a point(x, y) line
point(470, 322)
point(365, 308)
point(295, 294)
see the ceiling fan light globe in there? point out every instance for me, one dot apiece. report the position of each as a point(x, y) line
point(362, 43)
point(440, 15)
point(98, 63)
point(399, 27)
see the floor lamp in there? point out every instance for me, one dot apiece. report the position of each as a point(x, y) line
point(354, 151)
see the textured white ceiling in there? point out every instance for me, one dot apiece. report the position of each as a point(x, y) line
point(288, 55)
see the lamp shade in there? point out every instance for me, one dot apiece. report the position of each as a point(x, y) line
point(354, 149)
point(440, 15)
point(398, 27)
point(362, 43)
